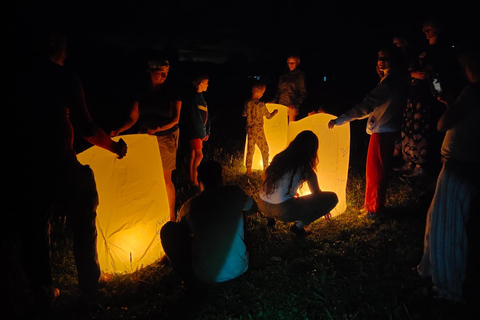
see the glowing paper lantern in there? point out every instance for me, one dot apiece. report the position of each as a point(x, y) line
point(133, 204)
point(333, 155)
point(276, 130)
point(333, 150)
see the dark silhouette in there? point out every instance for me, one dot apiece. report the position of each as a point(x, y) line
point(207, 243)
point(420, 140)
point(291, 91)
point(451, 236)
point(48, 105)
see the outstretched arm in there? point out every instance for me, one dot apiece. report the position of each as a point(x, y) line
point(81, 118)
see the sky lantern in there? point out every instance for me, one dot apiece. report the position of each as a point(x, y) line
point(133, 204)
point(333, 150)
point(333, 155)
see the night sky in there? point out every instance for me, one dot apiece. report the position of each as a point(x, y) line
point(255, 28)
point(336, 39)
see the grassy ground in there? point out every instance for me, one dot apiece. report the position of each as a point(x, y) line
point(349, 268)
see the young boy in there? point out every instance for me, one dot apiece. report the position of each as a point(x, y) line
point(255, 110)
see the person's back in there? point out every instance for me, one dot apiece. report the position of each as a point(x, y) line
point(44, 95)
point(255, 110)
point(217, 225)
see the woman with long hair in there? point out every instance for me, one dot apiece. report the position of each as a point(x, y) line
point(289, 170)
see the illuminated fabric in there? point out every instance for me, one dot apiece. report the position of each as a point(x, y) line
point(133, 203)
point(333, 150)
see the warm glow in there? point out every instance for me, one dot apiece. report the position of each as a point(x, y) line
point(133, 204)
point(333, 151)
point(333, 155)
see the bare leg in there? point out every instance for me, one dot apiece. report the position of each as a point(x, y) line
point(195, 159)
point(170, 193)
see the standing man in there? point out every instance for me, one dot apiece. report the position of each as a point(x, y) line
point(48, 103)
point(291, 91)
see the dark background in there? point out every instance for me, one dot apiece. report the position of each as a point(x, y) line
point(235, 41)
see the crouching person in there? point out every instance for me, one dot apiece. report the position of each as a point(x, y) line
point(208, 242)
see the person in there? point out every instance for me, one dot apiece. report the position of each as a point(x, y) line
point(383, 106)
point(208, 242)
point(254, 110)
point(49, 103)
point(289, 170)
point(451, 233)
point(419, 138)
point(159, 108)
point(408, 51)
point(291, 91)
point(196, 123)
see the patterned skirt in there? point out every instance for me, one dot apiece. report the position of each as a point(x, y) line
point(446, 240)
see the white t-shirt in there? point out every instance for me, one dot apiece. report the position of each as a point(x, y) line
point(282, 193)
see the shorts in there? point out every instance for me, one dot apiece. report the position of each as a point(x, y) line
point(196, 144)
point(168, 146)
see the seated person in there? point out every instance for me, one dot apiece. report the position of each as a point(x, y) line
point(207, 243)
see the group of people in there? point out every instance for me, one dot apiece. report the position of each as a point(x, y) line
point(437, 129)
point(418, 103)
point(205, 241)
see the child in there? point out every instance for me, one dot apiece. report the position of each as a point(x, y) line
point(255, 110)
point(196, 123)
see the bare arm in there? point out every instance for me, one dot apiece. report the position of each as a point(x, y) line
point(313, 183)
point(81, 117)
point(132, 119)
point(175, 107)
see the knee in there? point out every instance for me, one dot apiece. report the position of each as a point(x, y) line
point(331, 198)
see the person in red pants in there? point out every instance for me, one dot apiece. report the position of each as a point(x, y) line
point(383, 106)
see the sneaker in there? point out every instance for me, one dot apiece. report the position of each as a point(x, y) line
point(417, 172)
point(407, 167)
point(299, 231)
point(271, 222)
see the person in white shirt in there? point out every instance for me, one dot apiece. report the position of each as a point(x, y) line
point(383, 106)
point(286, 174)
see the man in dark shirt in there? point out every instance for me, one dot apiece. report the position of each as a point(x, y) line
point(48, 104)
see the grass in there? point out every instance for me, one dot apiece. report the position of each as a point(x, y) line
point(349, 268)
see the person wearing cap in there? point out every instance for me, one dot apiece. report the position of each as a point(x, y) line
point(159, 108)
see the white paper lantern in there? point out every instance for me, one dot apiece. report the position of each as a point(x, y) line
point(133, 203)
point(333, 150)
point(333, 155)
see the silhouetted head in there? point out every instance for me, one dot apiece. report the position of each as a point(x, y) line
point(49, 41)
point(305, 145)
point(210, 174)
point(391, 55)
point(469, 60)
point(300, 157)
